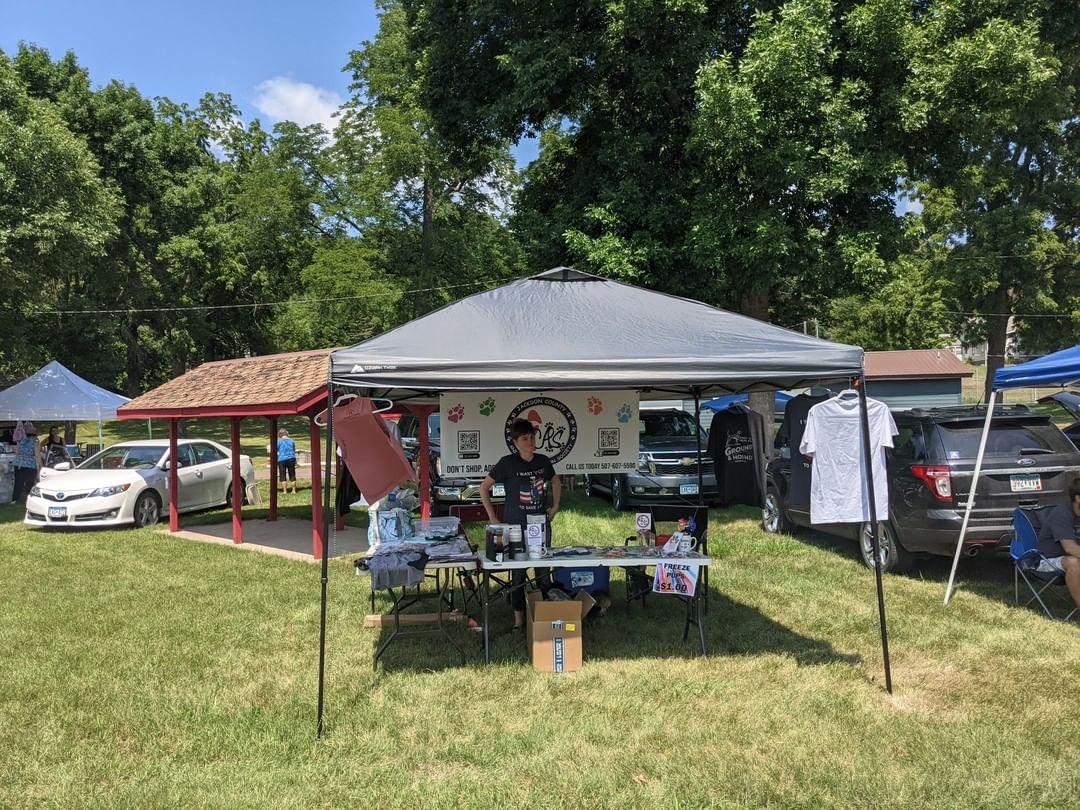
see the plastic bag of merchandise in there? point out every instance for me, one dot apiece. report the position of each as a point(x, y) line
point(389, 526)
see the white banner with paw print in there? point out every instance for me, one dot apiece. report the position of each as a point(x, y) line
point(580, 431)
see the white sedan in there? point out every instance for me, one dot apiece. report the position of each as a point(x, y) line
point(128, 483)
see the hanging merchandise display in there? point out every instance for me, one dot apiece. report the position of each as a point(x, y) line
point(375, 459)
point(833, 436)
point(737, 448)
point(790, 436)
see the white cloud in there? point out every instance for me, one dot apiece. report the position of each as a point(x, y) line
point(283, 99)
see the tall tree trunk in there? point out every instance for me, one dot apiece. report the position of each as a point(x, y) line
point(422, 299)
point(756, 305)
point(997, 333)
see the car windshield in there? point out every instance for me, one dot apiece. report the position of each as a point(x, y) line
point(678, 423)
point(124, 457)
point(1006, 439)
point(433, 426)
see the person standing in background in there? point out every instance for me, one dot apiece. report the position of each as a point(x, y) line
point(27, 463)
point(53, 449)
point(286, 456)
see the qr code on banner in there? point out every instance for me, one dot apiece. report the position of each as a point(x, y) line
point(609, 438)
point(468, 441)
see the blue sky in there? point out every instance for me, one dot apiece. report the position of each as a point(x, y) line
point(278, 61)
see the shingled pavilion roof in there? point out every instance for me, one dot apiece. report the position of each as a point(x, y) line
point(270, 385)
point(914, 364)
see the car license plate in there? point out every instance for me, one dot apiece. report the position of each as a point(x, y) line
point(1025, 483)
point(498, 491)
point(688, 489)
point(58, 512)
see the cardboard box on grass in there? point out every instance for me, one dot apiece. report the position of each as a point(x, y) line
point(554, 631)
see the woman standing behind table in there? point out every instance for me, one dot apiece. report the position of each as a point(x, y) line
point(27, 461)
point(527, 477)
point(53, 449)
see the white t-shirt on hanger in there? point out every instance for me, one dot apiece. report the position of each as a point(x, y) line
point(833, 436)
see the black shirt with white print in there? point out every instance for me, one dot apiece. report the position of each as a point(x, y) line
point(526, 484)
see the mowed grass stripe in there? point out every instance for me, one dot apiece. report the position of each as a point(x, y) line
point(142, 670)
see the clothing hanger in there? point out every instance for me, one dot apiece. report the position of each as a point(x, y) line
point(320, 418)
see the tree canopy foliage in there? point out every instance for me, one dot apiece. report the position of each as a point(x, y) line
point(898, 170)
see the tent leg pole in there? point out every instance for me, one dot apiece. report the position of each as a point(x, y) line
point(971, 497)
point(701, 496)
point(868, 466)
point(325, 549)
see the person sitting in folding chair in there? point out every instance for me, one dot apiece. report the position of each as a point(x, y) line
point(1059, 541)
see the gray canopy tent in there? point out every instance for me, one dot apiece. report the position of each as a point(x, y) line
point(58, 393)
point(567, 330)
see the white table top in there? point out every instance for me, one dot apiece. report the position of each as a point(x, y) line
point(590, 561)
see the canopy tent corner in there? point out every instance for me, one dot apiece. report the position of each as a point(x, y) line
point(1060, 368)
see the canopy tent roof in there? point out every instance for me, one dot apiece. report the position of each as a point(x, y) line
point(55, 392)
point(564, 329)
point(1059, 368)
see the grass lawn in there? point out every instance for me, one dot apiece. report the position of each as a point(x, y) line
point(142, 670)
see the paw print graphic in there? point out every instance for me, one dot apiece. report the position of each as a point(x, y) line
point(594, 405)
point(487, 407)
point(457, 413)
point(624, 413)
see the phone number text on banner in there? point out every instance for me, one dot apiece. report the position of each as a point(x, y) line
point(580, 431)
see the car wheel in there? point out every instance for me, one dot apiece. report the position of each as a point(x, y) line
point(618, 493)
point(894, 557)
point(228, 494)
point(147, 510)
point(589, 491)
point(773, 519)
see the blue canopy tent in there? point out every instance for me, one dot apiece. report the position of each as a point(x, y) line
point(717, 404)
point(1060, 368)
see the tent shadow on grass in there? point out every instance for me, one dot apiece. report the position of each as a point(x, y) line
point(989, 575)
point(627, 632)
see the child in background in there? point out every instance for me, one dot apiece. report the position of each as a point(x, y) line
point(286, 456)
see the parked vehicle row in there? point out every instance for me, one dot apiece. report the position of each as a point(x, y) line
point(128, 483)
point(1028, 462)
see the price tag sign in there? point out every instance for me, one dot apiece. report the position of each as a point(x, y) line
point(643, 521)
point(678, 579)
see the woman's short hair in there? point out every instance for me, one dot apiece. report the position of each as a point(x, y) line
point(282, 433)
point(521, 427)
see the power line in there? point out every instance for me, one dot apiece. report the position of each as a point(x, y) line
point(1005, 314)
point(255, 304)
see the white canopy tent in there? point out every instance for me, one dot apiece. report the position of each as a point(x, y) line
point(54, 392)
point(1059, 368)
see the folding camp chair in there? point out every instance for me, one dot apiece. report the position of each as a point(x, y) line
point(1026, 557)
point(638, 581)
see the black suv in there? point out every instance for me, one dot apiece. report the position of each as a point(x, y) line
point(445, 491)
point(1028, 462)
point(667, 469)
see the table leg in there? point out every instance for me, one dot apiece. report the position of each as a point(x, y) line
point(393, 633)
point(700, 627)
point(484, 587)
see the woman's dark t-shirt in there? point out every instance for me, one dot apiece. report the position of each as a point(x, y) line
point(525, 483)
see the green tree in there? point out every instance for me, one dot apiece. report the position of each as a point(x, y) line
point(989, 106)
point(56, 216)
point(394, 154)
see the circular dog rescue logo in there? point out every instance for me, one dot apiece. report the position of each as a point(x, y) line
point(556, 427)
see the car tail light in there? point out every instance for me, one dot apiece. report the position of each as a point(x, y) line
point(937, 480)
